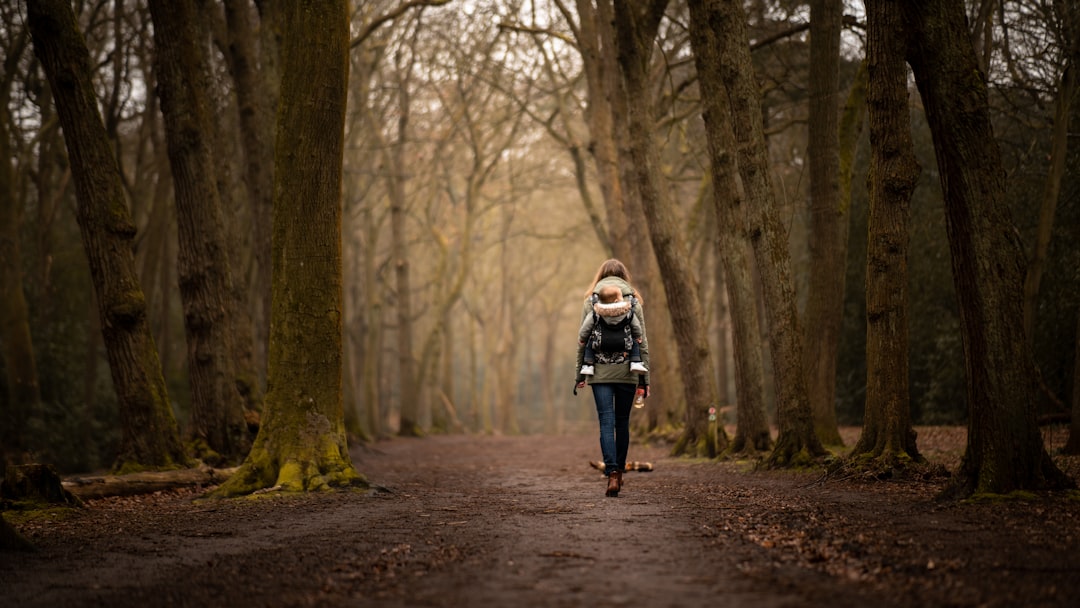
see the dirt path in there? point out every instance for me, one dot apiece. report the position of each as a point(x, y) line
point(503, 521)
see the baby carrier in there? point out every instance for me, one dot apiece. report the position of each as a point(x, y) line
point(611, 342)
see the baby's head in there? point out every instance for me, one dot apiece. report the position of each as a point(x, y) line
point(609, 294)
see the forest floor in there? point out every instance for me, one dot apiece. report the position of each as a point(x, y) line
point(500, 521)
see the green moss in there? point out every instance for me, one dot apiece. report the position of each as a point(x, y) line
point(22, 512)
point(200, 450)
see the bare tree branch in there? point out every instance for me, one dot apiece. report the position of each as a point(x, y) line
point(394, 14)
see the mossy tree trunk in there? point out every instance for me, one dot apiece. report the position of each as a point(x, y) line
point(217, 409)
point(149, 433)
point(1005, 451)
point(23, 391)
point(636, 28)
point(797, 441)
point(752, 430)
point(887, 435)
point(301, 445)
point(829, 221)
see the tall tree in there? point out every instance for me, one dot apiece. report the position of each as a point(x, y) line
point(1070, 18)
point(1005, 451)
point(252, 62)
point(149, 433)
point(887, 434)
point(301, 445)
point(217, 409)
point(828, 220)
point(733, 245)
point(394, 161)
point(23, 391)
point(595, 39)
point(636, 28)
point(797, 440)
point(1068, 85)
point(606, 114)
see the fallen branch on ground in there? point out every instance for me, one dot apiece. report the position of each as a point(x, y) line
point(148, 482)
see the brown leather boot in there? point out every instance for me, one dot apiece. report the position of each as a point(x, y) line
point(614, 483)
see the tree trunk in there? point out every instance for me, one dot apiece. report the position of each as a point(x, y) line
point(607, 120)
point(23, 392)
point(887, 435)
point(828, 221)
point(257, 105)
point(1072, 446)
point(301, 445)
point(1005, 450)
point(733, 246)
point(149, 432)
point(269, 35)
point(797, 441)
point(373, 336)
point(1070, 15)
point(395, 183)
point(217, 409)
point(1050, 196)
point(595, 41)
point(636, 31)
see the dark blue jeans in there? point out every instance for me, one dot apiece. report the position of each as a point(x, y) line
point(613, 404)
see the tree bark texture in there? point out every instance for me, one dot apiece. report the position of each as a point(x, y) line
point(23, 391)
point(1005, 450)
point(257, 104)
point(1049, 201)
point(149, 432)
point(606, 115)
point(636, 30)
point(828, 236)
point(205, 277)
point(93, 487)
point(1067, 97)
point(595, 40)
point(301, 445)
point(394, 160)
point(733, 244)
point(1070, 15)
point(887, 433)
point(797, 441)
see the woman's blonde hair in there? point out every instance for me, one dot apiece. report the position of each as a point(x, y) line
point(611, 268)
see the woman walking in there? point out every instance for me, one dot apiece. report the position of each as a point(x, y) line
point(613, 382)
